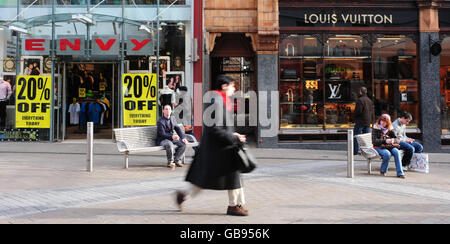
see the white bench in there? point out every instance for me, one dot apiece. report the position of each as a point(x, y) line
point(142, 140)
point(368, 152)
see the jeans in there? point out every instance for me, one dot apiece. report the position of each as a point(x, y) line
point(386, 155)
point(170, 148)
point(410, 149)
point(357, 131)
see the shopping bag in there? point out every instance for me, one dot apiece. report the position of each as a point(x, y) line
point(419, 163)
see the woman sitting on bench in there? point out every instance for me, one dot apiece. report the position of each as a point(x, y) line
point(385, 141)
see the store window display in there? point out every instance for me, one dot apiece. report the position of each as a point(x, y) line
point(321, 74)
point(396, 86)
point(445, 85)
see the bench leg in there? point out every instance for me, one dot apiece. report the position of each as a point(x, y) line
point(369, 166)
point(126, 160)
point(184, 158)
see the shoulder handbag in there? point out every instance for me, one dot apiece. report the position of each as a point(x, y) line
point(247, 162)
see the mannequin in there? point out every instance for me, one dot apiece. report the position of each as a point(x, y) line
point(74, 110)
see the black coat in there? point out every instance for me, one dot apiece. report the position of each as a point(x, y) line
point(363, 111)
point(215, 164)
point(379, 139)
point(165, 129)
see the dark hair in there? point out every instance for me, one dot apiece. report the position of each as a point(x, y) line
point(183, 88)
point(406, 115)
point(363, 90)
point(223, 80)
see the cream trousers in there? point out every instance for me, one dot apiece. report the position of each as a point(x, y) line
point(235, 197)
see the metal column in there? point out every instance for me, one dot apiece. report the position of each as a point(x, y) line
point(52, 99)
point(350, 159)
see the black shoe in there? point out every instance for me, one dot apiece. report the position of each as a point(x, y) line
point(180, 198)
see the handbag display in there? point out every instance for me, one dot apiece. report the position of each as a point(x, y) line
point(420, 163)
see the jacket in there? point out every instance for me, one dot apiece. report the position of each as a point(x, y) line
point(363, 111)
point(215, 165)
point(400, 129)
point(379, 139)
point(165, 129)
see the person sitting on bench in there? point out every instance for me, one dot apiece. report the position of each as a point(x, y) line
point(166, 138)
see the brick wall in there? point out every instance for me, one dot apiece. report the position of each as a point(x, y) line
point(256, 18)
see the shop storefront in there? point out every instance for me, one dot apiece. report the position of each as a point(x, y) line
point(444, 24)
point(95, 46)
point(328, 54)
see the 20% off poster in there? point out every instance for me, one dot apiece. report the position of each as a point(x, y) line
point(33, 101)
point(139, 99)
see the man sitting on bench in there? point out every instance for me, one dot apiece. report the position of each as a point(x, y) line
point(166, 138)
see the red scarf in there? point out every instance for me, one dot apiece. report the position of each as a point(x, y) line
point(225, 99)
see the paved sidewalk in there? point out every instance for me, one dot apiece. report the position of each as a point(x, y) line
point(48, 183)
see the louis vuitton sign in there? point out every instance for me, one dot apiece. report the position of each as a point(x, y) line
point(76, 45)
point(348, 17)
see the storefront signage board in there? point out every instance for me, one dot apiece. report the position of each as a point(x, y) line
point(139, 99)
point(33, 101)
point(75, 45)
point(105, 45)
point(70, 45)
point(348, 17)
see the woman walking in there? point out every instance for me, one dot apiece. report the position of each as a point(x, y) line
point(215, 165)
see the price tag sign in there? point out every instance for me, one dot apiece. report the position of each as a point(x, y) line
point(102, 86)
point(139, 99)
point(81, 92)
point(33, 101)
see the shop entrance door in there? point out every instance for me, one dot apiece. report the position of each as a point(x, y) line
point(90, 95)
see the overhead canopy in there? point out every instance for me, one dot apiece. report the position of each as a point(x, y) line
point(66, 17)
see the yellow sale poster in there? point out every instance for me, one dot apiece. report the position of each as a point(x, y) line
point(33, 101)
point(139, 99)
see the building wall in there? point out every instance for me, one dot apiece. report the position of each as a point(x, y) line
point(258, 20)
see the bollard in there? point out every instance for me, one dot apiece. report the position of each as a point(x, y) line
point(350, 159)
point(90, 146)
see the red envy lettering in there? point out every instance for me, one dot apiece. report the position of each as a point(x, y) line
point(34, 44)
point(139, 45)
point(103, 46)
point(75, 46)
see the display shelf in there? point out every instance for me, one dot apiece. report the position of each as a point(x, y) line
point(292, 103)
point(340, 102)
point(390, 79)
point(290, 80)
point(336, 57)
point(345, 57)
point(300, 57)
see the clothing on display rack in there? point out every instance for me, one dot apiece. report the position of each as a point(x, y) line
point(74, 110)
point(96, 111)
